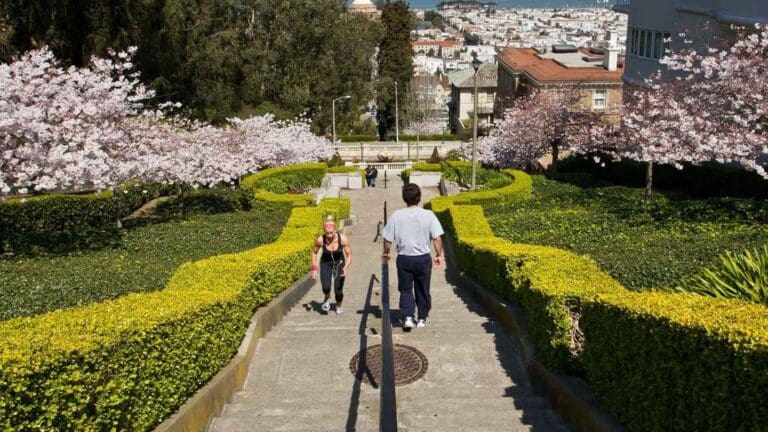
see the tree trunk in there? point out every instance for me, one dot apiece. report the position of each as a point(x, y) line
point(116, 197)
point(649, 180)
point(181, 200)
point(555, 155)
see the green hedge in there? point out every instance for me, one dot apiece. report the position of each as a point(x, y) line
point(644, 244)
point(431, 167)
point(664, 362)
point(546, 282)
point(205, 200)
point(41, 221)
point(657, 361)
point(520, 189)
point(358, 138)
point(128, 363)
point(287, 178)
point(706, 180)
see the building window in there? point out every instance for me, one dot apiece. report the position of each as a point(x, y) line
point(599, 99)
point(648, 43)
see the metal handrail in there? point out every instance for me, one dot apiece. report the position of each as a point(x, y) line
point(388, 395)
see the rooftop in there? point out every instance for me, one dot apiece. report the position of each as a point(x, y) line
point(553, 67)
point(486, 76)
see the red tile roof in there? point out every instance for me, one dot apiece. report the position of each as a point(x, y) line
point(526, 60)
point(444, 44)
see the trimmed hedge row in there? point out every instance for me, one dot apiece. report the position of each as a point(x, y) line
point(659, 362)
point(520, 189)
point(287, 178)
point(127, 364)
point(34, 219)
point(431, 167)
point(709, 179)
point(666, 362)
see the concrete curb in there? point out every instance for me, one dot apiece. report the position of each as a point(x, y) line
point(570, 396)
point(208, 402)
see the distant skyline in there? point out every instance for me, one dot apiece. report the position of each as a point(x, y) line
point(426, 4)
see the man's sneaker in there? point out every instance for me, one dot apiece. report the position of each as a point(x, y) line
point(339, 310)
point(326, 306)
point(422, 323)
point(408, 323)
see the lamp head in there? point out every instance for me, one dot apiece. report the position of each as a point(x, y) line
point(475, 62)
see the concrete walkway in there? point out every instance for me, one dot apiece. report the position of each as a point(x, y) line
point(300, 378)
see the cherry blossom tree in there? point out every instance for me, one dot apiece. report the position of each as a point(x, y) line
point(425, 127)
point(545, 121)
point(714, 109)
point(723, 95)
point(74, 129)
point(65, 128)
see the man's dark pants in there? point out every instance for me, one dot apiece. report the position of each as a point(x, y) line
point(413, 275)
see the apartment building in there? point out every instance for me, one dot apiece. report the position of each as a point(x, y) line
point(596, 73)
point(462, 96)
point(655, 26)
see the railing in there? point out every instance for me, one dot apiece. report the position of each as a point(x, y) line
point(406, 149)
point(388, 395)
point(383, 166)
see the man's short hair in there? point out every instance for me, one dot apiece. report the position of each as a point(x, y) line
point(411, 194)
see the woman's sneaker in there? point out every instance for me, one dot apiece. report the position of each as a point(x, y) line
point(422, 323)
point(339, 310)
point(326, 306)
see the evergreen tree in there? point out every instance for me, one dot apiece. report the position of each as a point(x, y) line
point(395, 62)
point(217, 57)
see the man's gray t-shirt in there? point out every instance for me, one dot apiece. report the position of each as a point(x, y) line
point(412, 230)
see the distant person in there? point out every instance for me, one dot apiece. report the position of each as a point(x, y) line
point(412, 229)
point(334, 262)
point(370, 175)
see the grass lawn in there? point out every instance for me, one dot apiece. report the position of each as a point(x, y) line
point(144, 261)
point(642, 244)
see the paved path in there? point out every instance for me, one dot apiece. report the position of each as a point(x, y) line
point(300, 379)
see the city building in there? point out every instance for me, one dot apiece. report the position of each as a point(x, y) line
point(437, 48)
point(655, 26)
point(461, 105)
point(596, 72)
point(365, 7)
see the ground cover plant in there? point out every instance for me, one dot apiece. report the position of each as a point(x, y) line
point(643, 243)
point(144, 260)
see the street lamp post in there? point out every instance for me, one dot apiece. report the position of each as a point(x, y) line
point(476, 66)
point(333, 119)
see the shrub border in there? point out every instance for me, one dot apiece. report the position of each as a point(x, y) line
point(80, 367)
point(555, 287)
point(209, 402)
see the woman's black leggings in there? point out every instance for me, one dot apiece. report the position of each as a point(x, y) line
point(328, 270)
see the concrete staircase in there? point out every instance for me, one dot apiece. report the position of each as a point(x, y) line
point(300, 378)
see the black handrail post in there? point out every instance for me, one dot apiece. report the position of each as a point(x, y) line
point(388, 400)
point(388, 395)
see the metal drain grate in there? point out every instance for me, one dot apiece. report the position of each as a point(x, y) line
point(410, 364)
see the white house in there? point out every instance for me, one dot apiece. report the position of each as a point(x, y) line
point(706, 22)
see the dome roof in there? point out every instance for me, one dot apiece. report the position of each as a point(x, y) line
point(361, 3)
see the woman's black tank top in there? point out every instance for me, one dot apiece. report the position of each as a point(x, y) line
point(337, 255)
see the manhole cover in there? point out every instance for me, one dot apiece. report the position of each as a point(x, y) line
point(410, 364)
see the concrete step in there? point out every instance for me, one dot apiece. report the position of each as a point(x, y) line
point(414, 413)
